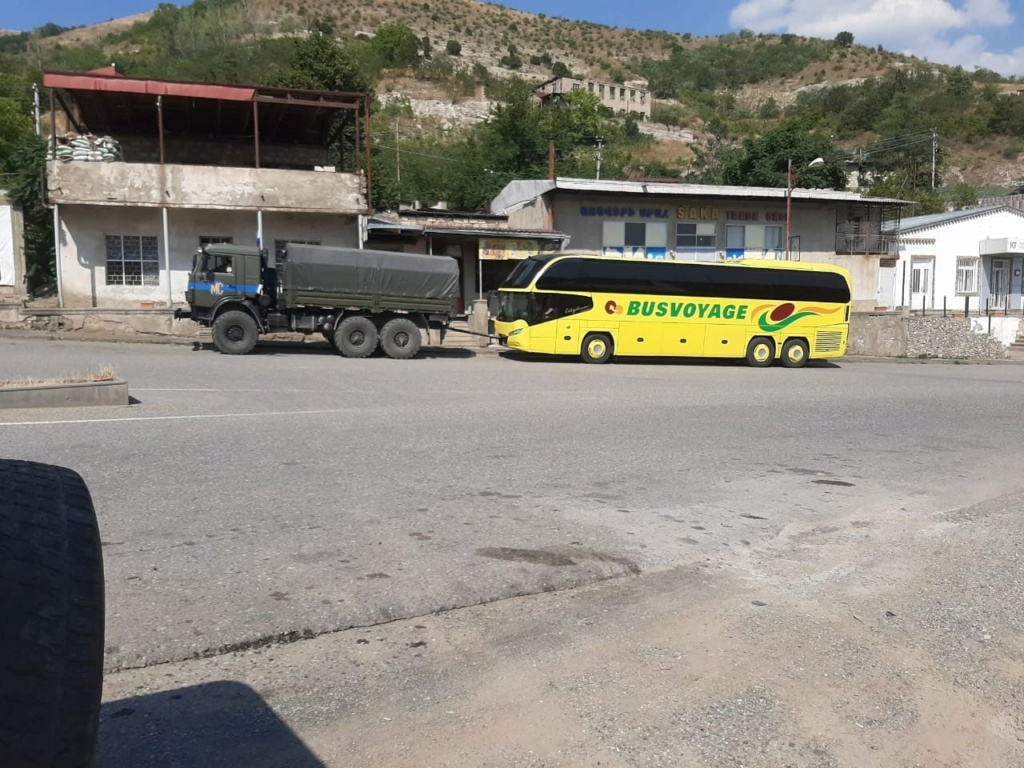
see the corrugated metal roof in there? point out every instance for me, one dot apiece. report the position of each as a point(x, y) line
point(518, 192)
point(915, 223)
point(77, 81)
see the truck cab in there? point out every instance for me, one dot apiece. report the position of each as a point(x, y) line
point(225, 273)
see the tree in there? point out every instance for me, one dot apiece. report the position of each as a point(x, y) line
point(844, 39)
point(28, 157)
point(560, 69)
point(318, 63)
point(512, 59)
point(397, 45)
point(453, 48)
point(765, 161)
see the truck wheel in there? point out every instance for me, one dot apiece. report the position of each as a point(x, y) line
point(51, 601)
point(235, 332)
point(400, 338)
point(356, 336)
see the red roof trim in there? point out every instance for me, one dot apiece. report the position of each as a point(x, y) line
point(118, 84)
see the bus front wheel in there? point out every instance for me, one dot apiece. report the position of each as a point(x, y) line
point(597, 348)
point(760, 352)
point(794, 353)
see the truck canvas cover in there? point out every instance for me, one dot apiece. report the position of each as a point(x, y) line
point(372, 273)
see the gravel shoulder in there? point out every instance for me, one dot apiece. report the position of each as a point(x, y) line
point(884, 637)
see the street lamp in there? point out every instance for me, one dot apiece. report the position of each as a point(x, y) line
point(815, 163)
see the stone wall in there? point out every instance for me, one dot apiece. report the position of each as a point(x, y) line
point(951, 338)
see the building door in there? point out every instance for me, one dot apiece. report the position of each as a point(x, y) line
point(999, 284)
point(886, 283)
point(921, 276)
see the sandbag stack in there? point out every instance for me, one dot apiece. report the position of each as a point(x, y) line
point(85, 148)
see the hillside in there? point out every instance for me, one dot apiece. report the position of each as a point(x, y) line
point(734, 86)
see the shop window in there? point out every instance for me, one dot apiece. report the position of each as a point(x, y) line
point(636, 239)
point(696, 241)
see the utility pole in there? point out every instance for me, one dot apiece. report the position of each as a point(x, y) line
point(935, 148)
point(600, 146)
point(398, 158)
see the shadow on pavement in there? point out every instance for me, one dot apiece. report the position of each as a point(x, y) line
point(271, 348)
point(703, 362)
point(225, 723)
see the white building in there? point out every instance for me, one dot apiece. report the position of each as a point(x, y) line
point(963, 260)
point(12, 255)
point(711, 223)
point(153, 169)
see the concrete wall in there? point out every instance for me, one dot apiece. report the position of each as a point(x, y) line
point(895, 335)
point(12, 250)
point(83, 245)
point(881, 335)
point(146, 149)
point(199, 186)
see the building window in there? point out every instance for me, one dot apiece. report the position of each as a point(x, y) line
point(696, 242)
point(966, 275)
point(774, 239)
point(622, 94)
point(132, 260)
point(213, 239)
point(636, 239)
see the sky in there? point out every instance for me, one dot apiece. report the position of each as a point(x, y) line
point(969, 33)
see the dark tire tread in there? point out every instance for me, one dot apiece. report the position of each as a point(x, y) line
point(52, 604)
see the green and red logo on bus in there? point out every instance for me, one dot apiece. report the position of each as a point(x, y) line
point(774, 319)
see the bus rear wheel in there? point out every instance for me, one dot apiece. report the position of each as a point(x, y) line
point(794, 353)
point(597, 348)
point(760, 352)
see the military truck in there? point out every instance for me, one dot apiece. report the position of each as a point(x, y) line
point(359, 299)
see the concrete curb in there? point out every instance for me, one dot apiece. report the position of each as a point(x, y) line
point(86, 394)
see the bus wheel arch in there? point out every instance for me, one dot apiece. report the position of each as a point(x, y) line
point(795, 353)
point(760, 352)
point(597, 348)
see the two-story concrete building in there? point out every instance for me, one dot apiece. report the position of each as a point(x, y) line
point(712, 223)
point(149, 170)
point(621, 98)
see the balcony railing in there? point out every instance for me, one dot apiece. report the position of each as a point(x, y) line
point(868, 244)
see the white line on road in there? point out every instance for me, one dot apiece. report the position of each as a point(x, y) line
point(171, 418)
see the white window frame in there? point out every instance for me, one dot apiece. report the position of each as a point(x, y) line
point(968, 273)
point(143, 252)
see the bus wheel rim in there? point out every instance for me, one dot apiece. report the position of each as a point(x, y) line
point(596, 348)
point(796, 353)
point(761, 352)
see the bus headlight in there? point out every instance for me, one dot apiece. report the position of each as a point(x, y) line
point(516, 332)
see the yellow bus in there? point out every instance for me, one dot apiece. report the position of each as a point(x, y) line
point(599, 307)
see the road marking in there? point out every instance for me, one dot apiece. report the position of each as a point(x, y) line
point(172, 418)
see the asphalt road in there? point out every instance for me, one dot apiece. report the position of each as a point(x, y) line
point(291, 493)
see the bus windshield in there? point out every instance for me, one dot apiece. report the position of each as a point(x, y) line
point(524, 273)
